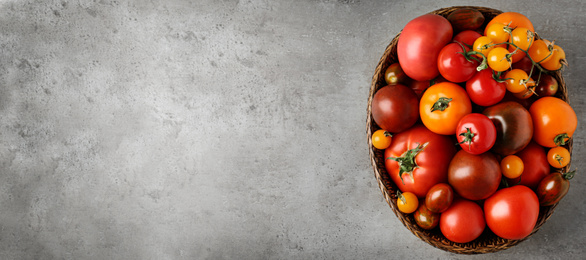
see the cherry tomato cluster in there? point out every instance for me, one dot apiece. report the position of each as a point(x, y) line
point(472, 130)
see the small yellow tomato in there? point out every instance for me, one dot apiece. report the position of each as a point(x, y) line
point(512, 166)
point(558, 157)
point(381, 139)
point(407, 202)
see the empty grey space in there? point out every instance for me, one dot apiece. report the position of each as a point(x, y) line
point(221, 129)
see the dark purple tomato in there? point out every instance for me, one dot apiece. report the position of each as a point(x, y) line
point(439, 197)
point(514, 127)
point(548, 86)
point(474, 177)
point(395, 108)
point(425, 218)
point(553, 188)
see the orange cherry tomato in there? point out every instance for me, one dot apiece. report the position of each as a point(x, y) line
point(558, 58)
point(381, 139)
point(522, 38)
point(558, 157)
point(498, 59)
point(407, 202)
point(554, 121)
point(540, 51)
point(512, 166)
point(513, 19)
point(517, 81)
point(483, 44)
point(442, 106)
point(498, 33)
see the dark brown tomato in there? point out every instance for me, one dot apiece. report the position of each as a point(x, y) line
point(514, 127)
point(394, 74)
point(553, 188)
point(466, 19)
point(439, 197)
point(535, 166)
point(395, 108)
point(474, 177)
point(425, 218)
point(548, 86)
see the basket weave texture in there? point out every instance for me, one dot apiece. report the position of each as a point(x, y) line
point(488, 242)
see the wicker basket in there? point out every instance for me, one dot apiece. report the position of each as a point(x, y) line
point(488, 242)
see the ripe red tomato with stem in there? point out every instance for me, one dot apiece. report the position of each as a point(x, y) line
point(484, 90)
point(395, 108)
point(463, 221)
point(511, 213)
point(455, 64)
point(554, 187)
point(476, 133)
point(418, 159)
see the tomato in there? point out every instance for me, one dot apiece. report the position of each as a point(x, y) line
point(498, 59)
point(558, 157)
point(516, 80)
point(554, 187)
point(407, 202)
point(558, 58)
point(439, 198)
point(394, 108)
point(529, 85)
point(462, 222)
point(467, 37)
point(497, 32)
point(474, 177)
point(484, 45)
point(547, 86)
point(476, 133)
point(420, 43)
point(418, 159)
point(514, 127)
point(541, 51)
point(512, 166)
point(524, 64)
point(442, 106)
point(554, 120)
point(453, 65)
point(535, 166)
point(425, 218)
point(394, 75)
point(522, 38)
point(511, 213)
point(419, 87)
point(466, 19)
point(381, 139)
point(484, 90)
point(513, 19)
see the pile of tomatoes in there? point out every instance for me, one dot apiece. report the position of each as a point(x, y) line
point(473, 133)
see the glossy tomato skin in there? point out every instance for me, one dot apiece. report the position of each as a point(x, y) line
point(395, 108)
point(476, 133)
point(547, 87)
point(467, 37)
point(425, 218)
point(462, 222)
point(444, 121)
point(514, 127)
point(552, 189)
point(551, 117)
point(474, 177)
point(452, 64)
point(420, 43)
point(432, 161)
point(535, 166)
point(524, 64)
point(513, 19)
point(439, 198)
point(484, 90)
point(511, 213)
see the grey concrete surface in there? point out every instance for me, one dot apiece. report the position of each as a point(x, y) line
point(220, 130)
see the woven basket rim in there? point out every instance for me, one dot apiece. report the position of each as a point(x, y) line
point(488, 242)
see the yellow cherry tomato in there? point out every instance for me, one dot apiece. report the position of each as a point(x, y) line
point(512, 166)
point(558, 157)
point(483, 45)
point(517, 80)
point(558, 58)
point(381, 139)
point(407, 202)
point(497, 32)
point(522, 38)
point(540, 51)
point(498, 59)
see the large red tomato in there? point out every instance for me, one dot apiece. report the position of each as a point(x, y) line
point(462, 222)
point(535, 166)
point(395, 108)
point(511, 213)
point(418, 159)
point(420, 43)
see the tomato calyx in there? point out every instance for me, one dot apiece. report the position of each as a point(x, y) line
point(388, 134)
point(561, 139)
point(441, 104)
point(569, 175)
point(468, 137)
point(407, 160)
point(401, 197)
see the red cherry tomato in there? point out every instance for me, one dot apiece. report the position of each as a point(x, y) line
point(453, 65)
point(511, 213)
point(462, 222)
point(484, 90)
point(395, 108)
point(467, 37)
point(439, 197)
point(476, 133)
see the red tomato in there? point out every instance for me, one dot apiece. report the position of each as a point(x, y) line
point(462, 222)
point(439, 197)
point(554, 187)
point(535, 166)
point(525, 64)
point(476, 133)
point(514, 127)
point(395, 108)
point(467, 37)
point(484, 90)
point(453, 65)
point(511, 213)
point(474, 177)
point(419, 86)
point(420, 43)
point(418, 159)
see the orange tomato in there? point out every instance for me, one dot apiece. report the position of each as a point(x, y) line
point(554, 121)
point(558, 157)
point(381, 139)
point(513, 19)
point(522, 38)
point(556, 61)
point(442, 106)
point(539, 51)
point(407, 202)
point(512, 166)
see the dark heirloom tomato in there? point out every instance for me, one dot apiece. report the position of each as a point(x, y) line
point(511, 213)
point(474, 177)
point(418, 159)
point(453, 65)
point(466, 19)
point(425, 218)
point(484, 90)
point(554, 187)
point(439, 198)
point(514, 127)
point(535, 166)
point(395, 108)
point(462, 222)
point(547, 86)
point(467, 37)
point(476, 134)
point(394, 74)
point(420, 43)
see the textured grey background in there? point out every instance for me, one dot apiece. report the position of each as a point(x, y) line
point(220, 129)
